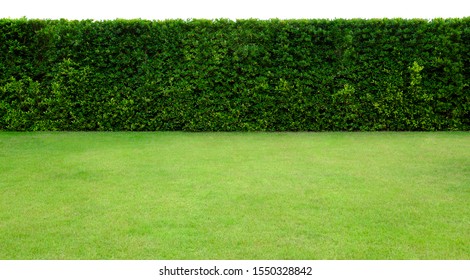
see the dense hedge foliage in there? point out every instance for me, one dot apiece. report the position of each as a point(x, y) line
point(222, 75)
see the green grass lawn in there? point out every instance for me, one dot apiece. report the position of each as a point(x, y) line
point(171, 195)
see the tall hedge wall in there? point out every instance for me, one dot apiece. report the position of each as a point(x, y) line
point(222, 75)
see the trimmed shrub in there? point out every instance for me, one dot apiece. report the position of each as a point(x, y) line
point(244, 75)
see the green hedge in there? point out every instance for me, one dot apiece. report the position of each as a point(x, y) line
point(222, 75)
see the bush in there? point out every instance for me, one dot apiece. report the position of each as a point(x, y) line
point(222, 75)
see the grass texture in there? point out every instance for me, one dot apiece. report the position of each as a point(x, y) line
point(175, 195)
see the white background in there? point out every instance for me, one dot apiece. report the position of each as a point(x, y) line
point(149, 270)
point(232, 9)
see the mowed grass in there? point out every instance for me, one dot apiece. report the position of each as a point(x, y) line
point(171, 195)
